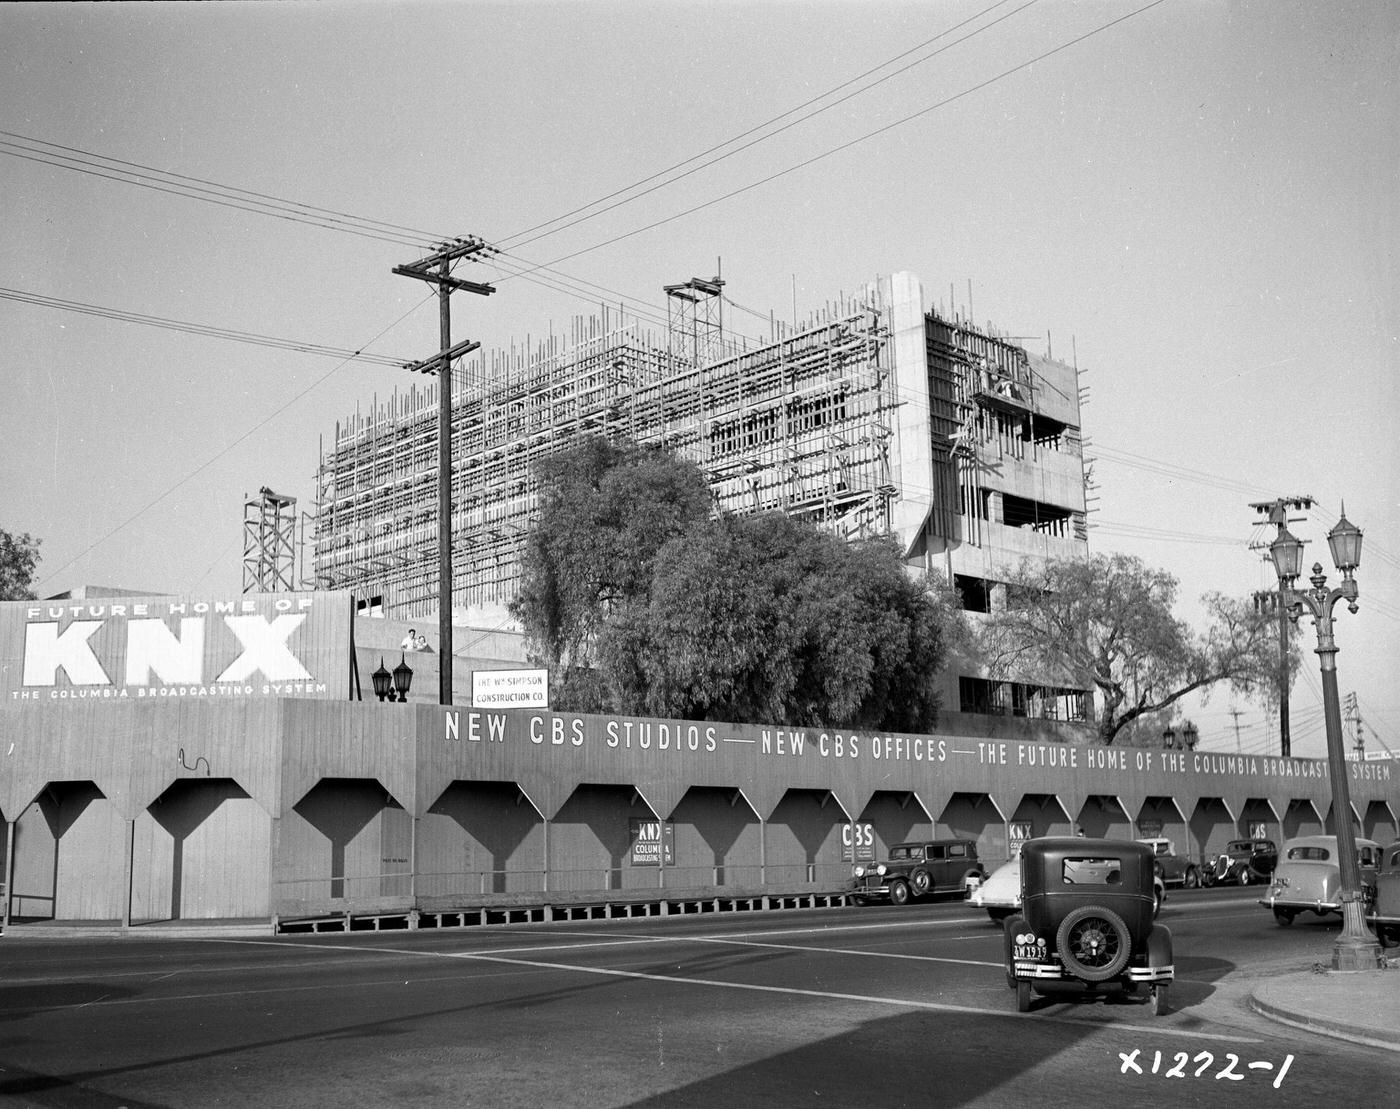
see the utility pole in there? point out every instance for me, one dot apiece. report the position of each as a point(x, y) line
point(435, 270)
point(1276, 512)
point(1236, 713)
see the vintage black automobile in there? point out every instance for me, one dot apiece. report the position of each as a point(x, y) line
point(918, 869)
point(1243, 861)
point(1086, 917)
point(1173, 869)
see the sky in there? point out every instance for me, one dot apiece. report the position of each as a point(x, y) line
point(1194, 200)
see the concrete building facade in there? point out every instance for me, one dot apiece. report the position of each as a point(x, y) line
point(880, 416)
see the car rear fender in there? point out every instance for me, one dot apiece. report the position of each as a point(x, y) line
point(1159, 946)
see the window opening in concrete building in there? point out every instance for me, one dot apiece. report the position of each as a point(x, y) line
point(985, 697)
point(1048, 519)
point(976, 593)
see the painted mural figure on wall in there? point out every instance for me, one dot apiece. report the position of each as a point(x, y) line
point(414, 642)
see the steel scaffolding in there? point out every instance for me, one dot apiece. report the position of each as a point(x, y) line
point(800, 424)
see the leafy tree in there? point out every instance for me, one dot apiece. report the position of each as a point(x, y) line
point(769, 618)
point(606, 510)
point(1105, 622)
point(19, 556)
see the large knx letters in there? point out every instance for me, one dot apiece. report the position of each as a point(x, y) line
point(168, 643)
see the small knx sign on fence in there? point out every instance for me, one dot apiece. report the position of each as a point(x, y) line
point(510, 689)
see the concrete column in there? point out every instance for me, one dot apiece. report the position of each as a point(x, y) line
point(9, 874)
point(128, 873)
point(762, 852)
point(413, 873)
point(545, 885)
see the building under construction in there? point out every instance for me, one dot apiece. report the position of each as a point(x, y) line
point(876, 417)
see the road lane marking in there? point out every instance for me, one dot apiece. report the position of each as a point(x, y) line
point(793, 991)
point(841, 951)
point(633, 941)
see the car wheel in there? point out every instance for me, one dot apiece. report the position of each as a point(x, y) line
point(1284, 916)
point(1023, 997)
point(921, 882)
point(1243, 877)
point(1094, 943)
point(998, 915)
point(899, 892)
point(1193, 878)
point(1160, 1000)
point(1388, 934)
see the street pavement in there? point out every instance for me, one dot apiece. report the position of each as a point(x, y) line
point(1362, 1007)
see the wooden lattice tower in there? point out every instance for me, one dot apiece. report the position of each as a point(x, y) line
point(695, 320)
point(269, 542)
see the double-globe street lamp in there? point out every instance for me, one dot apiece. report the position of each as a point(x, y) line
point(1186, 740)
point(392, 686)
point(1356, 948)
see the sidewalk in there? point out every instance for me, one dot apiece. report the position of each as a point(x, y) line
point(1361, 1006)
point(153, 930)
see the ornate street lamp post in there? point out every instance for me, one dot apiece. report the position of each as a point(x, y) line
point(392, 685)
point(1356, 948)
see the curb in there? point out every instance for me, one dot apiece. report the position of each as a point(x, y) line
point(1336, 1029)
point(81, 932)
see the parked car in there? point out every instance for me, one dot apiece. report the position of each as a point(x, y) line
point(1385, 909)
point(1087, 917)
point(1243, 861)
point(1175, 870)
point(1308, 877)
point(1000, 893)
point(918, 869)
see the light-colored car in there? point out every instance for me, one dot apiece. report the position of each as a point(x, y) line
point(1000, 893)
point(1308, 876)
point(1385, 911)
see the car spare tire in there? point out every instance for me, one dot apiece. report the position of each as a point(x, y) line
point(1094, 943)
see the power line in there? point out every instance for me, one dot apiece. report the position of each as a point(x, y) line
point(103, 312)
point(1200, 477)
point(860, 138)
point(761, 127)
point(331, 219)
point(1142, 531)
point(223, 451)
point(198, 188)
point(230, 196)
